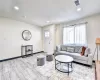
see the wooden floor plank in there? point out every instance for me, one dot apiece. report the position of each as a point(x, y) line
point(17, 70)
point(20, 69)
point(27, 69)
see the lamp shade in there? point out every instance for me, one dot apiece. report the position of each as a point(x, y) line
point(98, 41)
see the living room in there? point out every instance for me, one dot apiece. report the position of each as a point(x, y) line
point(49, 40)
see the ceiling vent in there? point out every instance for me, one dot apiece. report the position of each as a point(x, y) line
point(77, 2)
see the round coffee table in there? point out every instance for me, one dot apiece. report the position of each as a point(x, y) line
point(63, 63)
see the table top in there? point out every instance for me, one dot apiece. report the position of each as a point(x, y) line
point(64, 58)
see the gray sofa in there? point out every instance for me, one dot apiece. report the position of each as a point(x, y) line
point(75, 52)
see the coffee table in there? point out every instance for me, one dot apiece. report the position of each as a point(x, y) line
point(63, 63)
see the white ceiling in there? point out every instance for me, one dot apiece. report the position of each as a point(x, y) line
point(39, 11)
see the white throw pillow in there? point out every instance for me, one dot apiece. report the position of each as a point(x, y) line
point(87, 51)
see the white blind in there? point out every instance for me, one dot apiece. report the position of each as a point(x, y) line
point(75, 34)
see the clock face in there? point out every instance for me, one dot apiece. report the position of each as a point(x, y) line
point(26, 35)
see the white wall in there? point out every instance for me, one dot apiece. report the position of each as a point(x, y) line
point(11, 38)
point(93, 30)
point(50, 46)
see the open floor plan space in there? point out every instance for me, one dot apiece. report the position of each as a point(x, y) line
point(49, 39)
point(27, 69)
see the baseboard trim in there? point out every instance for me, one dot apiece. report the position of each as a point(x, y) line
point(10, 58)
point(24, 56)
point(19, 56)
point(82, 64)
point(39, 52)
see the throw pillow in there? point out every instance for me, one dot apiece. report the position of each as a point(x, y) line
point(70, 49)
point(78, 49)
point(87, 51)
point(83, 50)
point(63, 48)
point(58, 48)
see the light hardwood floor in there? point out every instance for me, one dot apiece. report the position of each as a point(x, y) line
point(27, 69)
point(20, 69)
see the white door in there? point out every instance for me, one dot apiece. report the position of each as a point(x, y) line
point(48, 46)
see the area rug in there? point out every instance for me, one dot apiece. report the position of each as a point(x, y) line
point(80, 72)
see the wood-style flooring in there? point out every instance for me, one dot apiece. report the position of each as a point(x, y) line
point(27, 69)
point(20, 69)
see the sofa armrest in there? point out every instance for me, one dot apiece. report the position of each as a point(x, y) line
point(90, 55)
point(58, 48)
point(90, 58)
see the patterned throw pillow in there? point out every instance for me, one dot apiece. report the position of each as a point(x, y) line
point(63, 48)
point(78, 49)
point(70, 49)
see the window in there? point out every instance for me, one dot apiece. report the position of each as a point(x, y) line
point(46, 34)
point(75, 34)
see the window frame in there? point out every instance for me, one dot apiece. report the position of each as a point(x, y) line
point(46, 31)
point(74, 33)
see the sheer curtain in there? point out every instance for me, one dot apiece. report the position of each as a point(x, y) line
point(68, 35)
point(80, 34)
point(75, 34)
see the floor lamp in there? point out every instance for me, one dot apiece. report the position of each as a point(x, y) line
point(97, 46)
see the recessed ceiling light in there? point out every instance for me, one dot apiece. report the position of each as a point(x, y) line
point(16, 7)
point(24, 16)
point(78, 9)
point(48, 21)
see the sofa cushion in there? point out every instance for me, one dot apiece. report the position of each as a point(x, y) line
point(74, 55)
point(70, 49)
point(78, 49)
point(68, 53)
point(63, 48)
point(83, 58)
point(63, 52)
point(77, 56)
point(58, 48)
